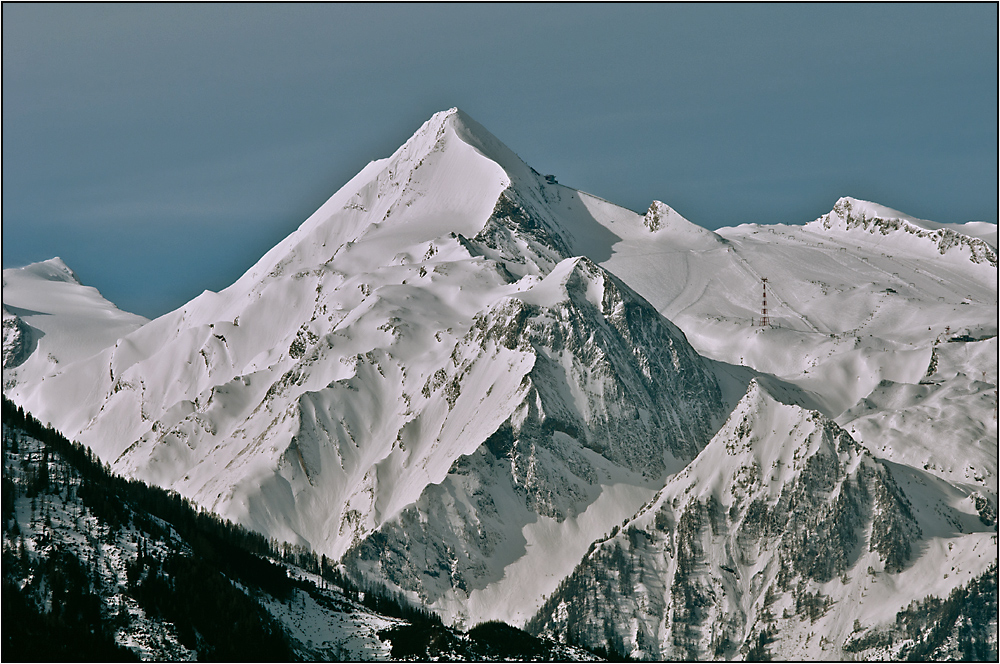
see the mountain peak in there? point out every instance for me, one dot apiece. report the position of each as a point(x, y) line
point(668, 225)
point(848, 208)
point(852, 215)
point(54, 269)
point(431, 133)
point(484, 142)
point(571, 276)
point(445, 179)
point(852, 212)
point(660, 215)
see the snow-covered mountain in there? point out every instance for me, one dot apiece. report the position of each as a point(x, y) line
point(458, 377)
point(848, 307)
point(428, 348)
point(99, 568)
point(859, 299)
point(975, 241)
point(783, 525)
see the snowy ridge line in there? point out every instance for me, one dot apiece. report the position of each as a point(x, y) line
point(874, 217)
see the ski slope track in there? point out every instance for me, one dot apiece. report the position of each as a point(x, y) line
point(458, 377)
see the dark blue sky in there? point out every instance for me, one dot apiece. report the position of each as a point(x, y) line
point(162, 149)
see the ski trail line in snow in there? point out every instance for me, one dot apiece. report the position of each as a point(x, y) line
point(684, 300)
point(781, 301)
point(902, 260)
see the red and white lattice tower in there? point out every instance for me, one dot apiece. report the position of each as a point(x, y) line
point(765, 320)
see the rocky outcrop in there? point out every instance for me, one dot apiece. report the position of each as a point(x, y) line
point(18, 341)
point(849, 213)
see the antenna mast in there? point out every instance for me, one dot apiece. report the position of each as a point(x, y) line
point(765, 320)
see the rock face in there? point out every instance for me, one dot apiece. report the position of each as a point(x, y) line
point(773, 524)
point(660, 215)
point(18, 340)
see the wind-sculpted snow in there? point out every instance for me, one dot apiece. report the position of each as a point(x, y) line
point(783, 518)
point(945, 423)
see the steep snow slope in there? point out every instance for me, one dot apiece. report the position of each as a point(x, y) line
point(598, 422)
point(884, 321)
point(50, 319)
point(81, 549)
point(784, 525)
point(354, 373)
